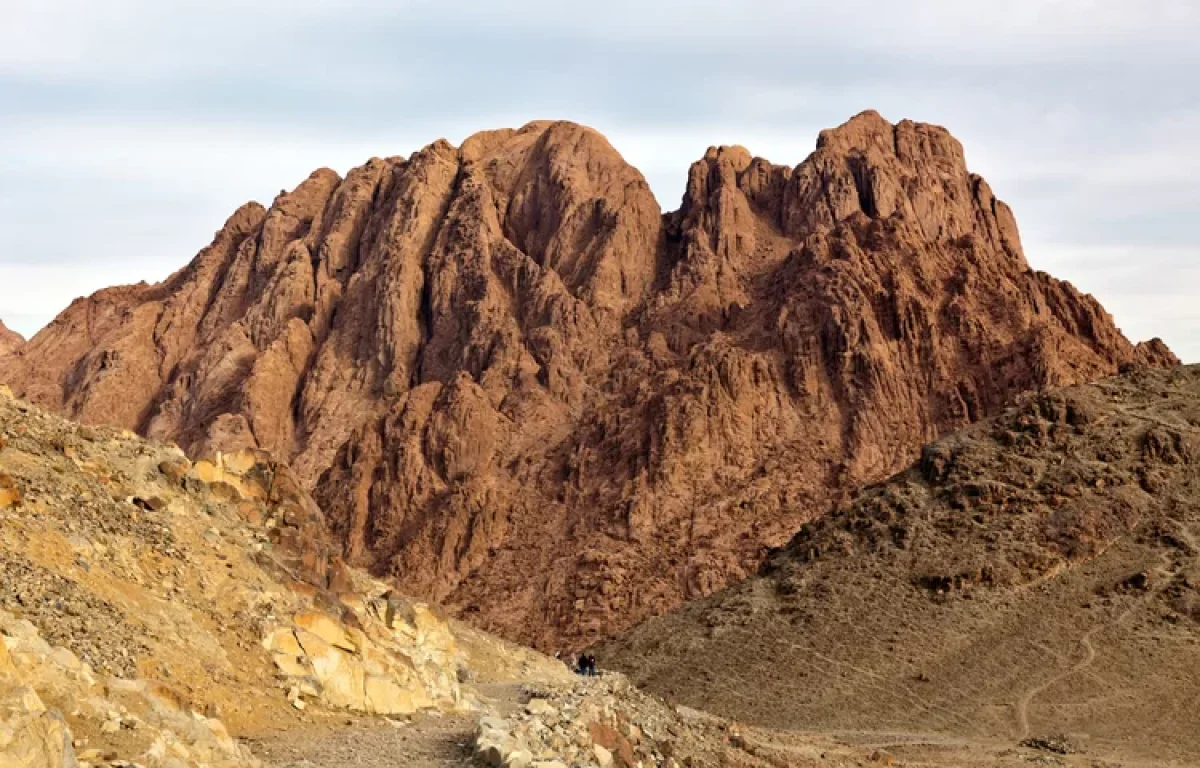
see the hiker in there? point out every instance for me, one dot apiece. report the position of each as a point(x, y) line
point(590, 665)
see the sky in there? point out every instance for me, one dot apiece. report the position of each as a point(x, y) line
point(131, 129)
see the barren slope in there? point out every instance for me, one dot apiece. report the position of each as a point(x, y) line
point(1032, 575)
point(518, 389)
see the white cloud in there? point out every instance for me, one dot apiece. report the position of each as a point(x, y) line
point(154, 39)
point(131, 128)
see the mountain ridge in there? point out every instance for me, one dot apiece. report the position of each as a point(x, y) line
point(502, 361)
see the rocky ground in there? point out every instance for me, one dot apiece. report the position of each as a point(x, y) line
point(425, 741)
point(606, 721)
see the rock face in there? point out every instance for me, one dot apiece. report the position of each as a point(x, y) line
point(10, 341)
point(1033, 575)
point(517, 389)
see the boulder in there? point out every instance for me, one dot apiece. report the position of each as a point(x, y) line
point(604, 758)
point(174, 469)
point(38, 740)
point(328, 629)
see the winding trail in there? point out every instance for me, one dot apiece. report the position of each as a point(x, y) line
point(1025, 700)
point(426, 740)
point(1086, 641)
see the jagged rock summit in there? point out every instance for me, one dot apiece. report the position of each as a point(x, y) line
point(519, 389)
point(10, 341)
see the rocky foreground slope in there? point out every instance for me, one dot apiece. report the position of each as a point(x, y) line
point(517, 388)
point(153, 610)
point(1034, 577)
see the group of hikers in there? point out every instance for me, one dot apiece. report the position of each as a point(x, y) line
point(582, 664)
point(585, 664)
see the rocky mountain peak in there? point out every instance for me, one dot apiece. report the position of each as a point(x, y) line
point(517, 387)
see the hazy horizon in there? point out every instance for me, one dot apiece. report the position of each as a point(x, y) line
point(130, 132)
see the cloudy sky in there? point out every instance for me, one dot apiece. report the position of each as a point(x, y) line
point(130, 129)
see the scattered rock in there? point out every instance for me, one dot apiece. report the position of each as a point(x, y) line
point(10, 494)
point(604, 758)
point(1059, 745)
point(175, 469)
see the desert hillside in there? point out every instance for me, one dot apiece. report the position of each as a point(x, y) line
point(1035, 577)
point(519, 389)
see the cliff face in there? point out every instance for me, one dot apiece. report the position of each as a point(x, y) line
point(516, 388)
point(10, 341)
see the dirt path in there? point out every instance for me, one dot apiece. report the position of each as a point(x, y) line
point(427, 741)
point(1023, 704)
point(1089, 649)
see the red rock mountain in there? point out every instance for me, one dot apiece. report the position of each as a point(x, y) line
point(9, 340)
point(519, 389)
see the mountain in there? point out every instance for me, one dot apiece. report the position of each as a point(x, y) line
point(516, 388)
point(1034, 575)
point(10, 340)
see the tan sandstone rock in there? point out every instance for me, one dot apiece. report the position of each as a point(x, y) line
point(40, 740)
